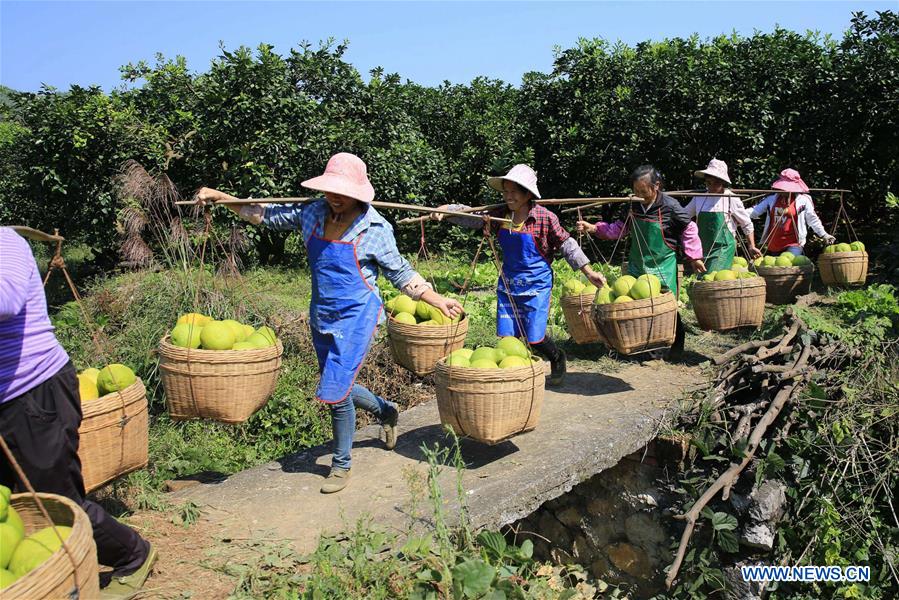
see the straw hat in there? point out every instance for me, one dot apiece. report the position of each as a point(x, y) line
point(346, 175)
point(523, 175)
point(717, 168)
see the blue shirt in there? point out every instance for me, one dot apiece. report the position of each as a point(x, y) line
point(376, 250)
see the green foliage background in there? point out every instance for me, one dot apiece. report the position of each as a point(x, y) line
point(257, 123)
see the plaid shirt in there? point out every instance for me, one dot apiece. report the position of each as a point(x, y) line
point(549, 235)
point(376, 250)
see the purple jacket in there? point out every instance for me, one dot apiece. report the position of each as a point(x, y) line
point(29, 352)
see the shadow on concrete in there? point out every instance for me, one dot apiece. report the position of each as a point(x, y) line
point(306, 461)
point(590, 384)
point(474, 453)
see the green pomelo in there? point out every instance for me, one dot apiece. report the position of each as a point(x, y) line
point(603, 296)
point(87, 390)
point(257, 340)
point(740, 261)
point(725, 275)
point(786, 253)
point(248, 331)
point(217, 335)
point(654, 282)
point(429, 322)
point(499, 354)
point(7, 578)
point(31, 552)
point(458, 361)
point(641, 290)
point(620, 299)
point(237, 329)
point(390, 306)
point(114, 378)
point(268, 333)
point(622, 285)
point(801, 260)
point(770, 261)
point(573, 287)
point(857, 247)
point(404, 304)
point(404, 317)
point(589, 289)
point(9, 539)
point(92, 374)
point(464, 352)
point(758, 261)
point(186, 335)
point(511, 362)
point(483, 363)
point(831, 249)
point(438, 316)
point(747, 274)
point(483, 352)
point(709, 276)
point(784, 261)
point(844, 247)
point(422, 310)
point(246, 345)
point(197, 319)
point(738, 269)
point(13, 518)
point(513, 346)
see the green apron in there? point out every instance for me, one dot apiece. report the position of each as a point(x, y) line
point(717, 241)
point(649, 251)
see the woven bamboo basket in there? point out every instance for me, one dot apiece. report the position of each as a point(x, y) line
point(783, 284)
point(723, 305)
point(843, 268)
point(419, 347)
point(114, 435)
point(638, 326)
point(224, 385)
point(680, 273)
point(490, 405)
point(58, 577)
point(578, 311)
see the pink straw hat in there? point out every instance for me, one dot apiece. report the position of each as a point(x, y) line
point(790, 181)
point(717, 168)
point(346, 175)
point(523, 175)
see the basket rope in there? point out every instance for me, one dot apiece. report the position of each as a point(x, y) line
point(24, 479)
point(842, 213)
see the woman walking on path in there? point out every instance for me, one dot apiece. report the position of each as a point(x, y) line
point(348, 243)
point(788, 215)
point(717, 218)
point(529, 245)
point(660, 228)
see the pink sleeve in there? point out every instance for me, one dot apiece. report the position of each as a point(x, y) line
point(610, 231)
point(690, 242)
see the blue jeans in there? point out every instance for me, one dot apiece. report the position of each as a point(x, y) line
point(343, 421)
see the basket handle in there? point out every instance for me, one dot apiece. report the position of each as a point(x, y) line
point(24, 479)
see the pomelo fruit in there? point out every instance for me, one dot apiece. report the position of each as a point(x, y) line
point(758, 261)
point(622, 285)
point(7, 578)
point(620, 299)
point(483, 363)
point(31, 552)
point(404, 304)
point(857, 247)
point(740, 261)
point(422, 311)
point(186, 335)
point(725, 275)
point(641, 290)
point(91, 374)
point(589, 289)
point(237, 329)
point(786, 253)
point(770, 261)
point(87, 389)
point(245, 345)
point(404, 317)
point(438, 316)
point(831, 249)
point(844, 247)
point(217, 335)
point(248, 331)
point(709, 276)
point(13, 518)
point(783, 261)
point(801, 260)
point(269, 334)
point(738, 269)
point(499, 354)
point(429, 322)
point(482, 352)
point(9, 539)
point(654, 282)
point(466, 352)
point(390, 306)
point(458, 361)
point(114, 378)
point(747, 275)
point(511, 362)
point(572, 287)
point(604, 295)
point(257, 340)
point(513, 346)
point(195, 318)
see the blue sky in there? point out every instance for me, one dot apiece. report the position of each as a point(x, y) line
point(64, 43)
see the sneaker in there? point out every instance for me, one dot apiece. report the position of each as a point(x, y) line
point(336, 481)
point(389, 426)
point(559, 368)
point(129, 586)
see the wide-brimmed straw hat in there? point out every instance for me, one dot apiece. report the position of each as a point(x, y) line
point(790, 181)
point(717, 169)
point(345, 174)
point(523, 175)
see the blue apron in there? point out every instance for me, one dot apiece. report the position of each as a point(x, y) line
point(530, 283)
point(343, 315)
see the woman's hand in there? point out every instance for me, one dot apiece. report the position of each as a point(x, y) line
point(585, 227)
point(829, 239)
point(450, 307)
point(439, 216)
point(207, 195)
point(754, 252)
point(593, 277)
point(698, 265)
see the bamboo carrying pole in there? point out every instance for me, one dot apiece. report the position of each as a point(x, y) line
point(36, 234)
point(543, 202)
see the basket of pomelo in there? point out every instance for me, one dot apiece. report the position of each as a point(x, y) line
point(729, 298)
point(843, 264)
point(577, 306)
point(114, 431)
point(786, 276)
point(680, 273)
point(34, 565)
point(420, 334)
point(635, 315)
point(221, 370)
point(490, 394)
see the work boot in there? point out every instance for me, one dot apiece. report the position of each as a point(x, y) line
point(389, 426)
point(559, 368)
point(336, 481)
point(129, 586)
